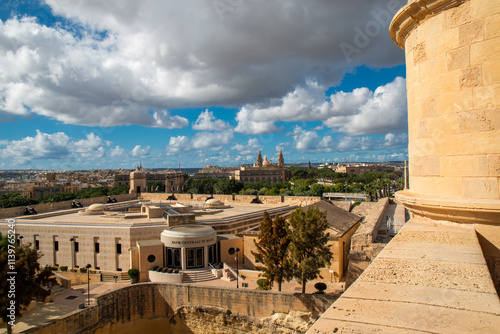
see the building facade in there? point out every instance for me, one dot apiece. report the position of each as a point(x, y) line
point(173, 180)
point(264, 170)
point(360, 169)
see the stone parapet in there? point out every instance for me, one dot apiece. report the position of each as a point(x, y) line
point(151, 307)
point(47, 207)
point(451, 209)
point(430, 278)
point(364, 245)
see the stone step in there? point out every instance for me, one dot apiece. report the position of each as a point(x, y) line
point(57, 290)
point(197, 276)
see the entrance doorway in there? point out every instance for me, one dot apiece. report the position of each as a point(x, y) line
point(174, 258)
point(195, 258)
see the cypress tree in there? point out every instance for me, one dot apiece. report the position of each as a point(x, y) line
point(308, 244)
point(272, 251)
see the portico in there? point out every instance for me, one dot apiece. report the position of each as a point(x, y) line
point(189, 246)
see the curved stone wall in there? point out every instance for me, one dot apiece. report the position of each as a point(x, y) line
point(453, 82)
point(148, 307)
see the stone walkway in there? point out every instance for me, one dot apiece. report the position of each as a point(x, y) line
point(430, 278)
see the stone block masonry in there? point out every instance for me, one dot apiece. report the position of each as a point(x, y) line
point(151, 306)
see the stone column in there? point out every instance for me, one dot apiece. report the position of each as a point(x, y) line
point(453, 81)
point(183, 258)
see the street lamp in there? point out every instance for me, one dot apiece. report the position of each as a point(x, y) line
point(237, 269)
point(72, 240)
point(88, 282)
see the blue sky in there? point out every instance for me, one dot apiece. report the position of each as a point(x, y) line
point(109, 84)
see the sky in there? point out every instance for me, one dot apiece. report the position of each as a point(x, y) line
point(90, 84)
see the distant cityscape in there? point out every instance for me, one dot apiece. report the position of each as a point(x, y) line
point(34, 183)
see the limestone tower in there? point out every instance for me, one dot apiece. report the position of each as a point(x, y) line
point(281, 160)
point(259, 160)
point(137, 181)
point(453, 81)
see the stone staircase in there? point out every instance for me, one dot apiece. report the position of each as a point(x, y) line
point(228, 275)
point(197, 276)
point(57, 290)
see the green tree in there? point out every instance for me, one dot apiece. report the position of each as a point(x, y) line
point(152, 186)
point(272, 251)
point(30, 281)
point(308, 244)
point(317, 189)
point(15, 199)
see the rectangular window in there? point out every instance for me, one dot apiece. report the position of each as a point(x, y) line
point(118, 248)
point(36, 242)
point(96, 247)
point(77, 246)
point(56, 245)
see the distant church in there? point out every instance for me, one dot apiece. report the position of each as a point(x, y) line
point(264, 170)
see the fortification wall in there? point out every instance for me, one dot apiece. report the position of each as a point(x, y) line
point(241, 199)
point(148, 305)
point(364, 247)
point(46, 207)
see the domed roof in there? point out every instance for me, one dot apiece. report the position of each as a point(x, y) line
point(97, 207)
point(213, 203)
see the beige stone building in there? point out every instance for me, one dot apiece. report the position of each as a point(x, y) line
point(342, 223)
point(173, 180)
point(264, 170)
point(360, 169)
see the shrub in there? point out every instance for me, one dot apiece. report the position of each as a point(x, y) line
point(320, 287)
point(133, 273)
point(170, 270)
point(83, 270)
point(64, 268)
point(154, 268)
point(176, 270)
point(164, 270)
point(262, 284)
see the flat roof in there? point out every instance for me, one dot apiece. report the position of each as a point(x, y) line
point(72, 217)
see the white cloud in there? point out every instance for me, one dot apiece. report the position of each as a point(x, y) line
point(309, 141)
point(139, 151)
point(201, 141)
point(158, 55)
point(162, 119)
point(178, 144)
point(250, 148)
point(117, 151)
point(56, 146)
point(249, 124)
point(384, 111)
point(207, 122)
point(358, 112)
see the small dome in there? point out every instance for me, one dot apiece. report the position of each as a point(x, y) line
point(97, 207)
point(213, 203)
